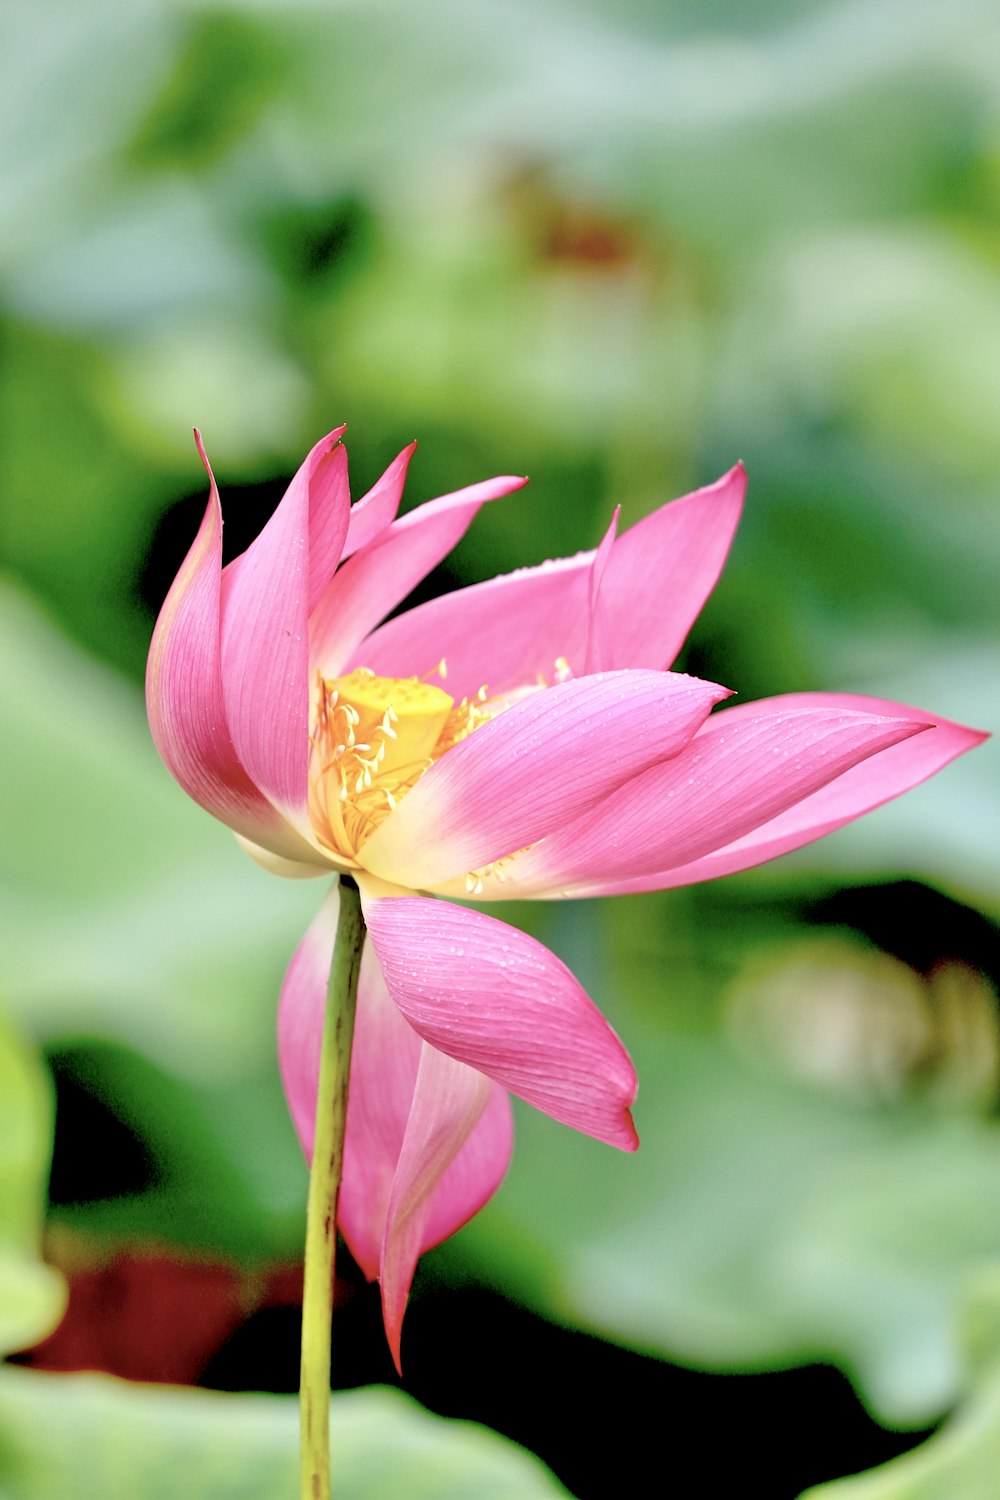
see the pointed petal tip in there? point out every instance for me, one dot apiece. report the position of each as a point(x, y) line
point(393, 1312)
point(630, 1136)
point(393, 1335)
point(735, 478)
point(200, 445)
point(526, 1022)
point(611, 530)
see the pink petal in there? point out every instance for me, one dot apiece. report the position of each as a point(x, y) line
point(663, 569)
point(384, 1067)
point(741, 769)
point(265, 612)
point(449, 1100)
point(375, 511)
point(502, 634)
point(380, 574)
point(324, 475)
point(852, 794)
point(475, 1174)
point(600, 656)
point(491, 997)
point(548, 758)
point(512, 630)
point(184, 695)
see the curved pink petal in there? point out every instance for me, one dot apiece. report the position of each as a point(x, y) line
point(663, 569)
point(548, 758)
point(184, 695)
point(476, 1172)
point(265, 639)
point(852, 794)
point(384, 1066)
point(740, 770)
point(375, 511)
point(503, 633)
point(600, 654)
point(511, 630)
point(300, 1016)
point(384, 1069)
point(380, 574)
point(491, 997)
point(448, 1103)
point(324, 475)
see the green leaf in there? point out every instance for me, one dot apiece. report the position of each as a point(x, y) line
point(32, 1296)
point(127, 913)
point(961, 1461)
point(85, 1437)
point(223, 79)
point(127, 910)
point(763, 1223)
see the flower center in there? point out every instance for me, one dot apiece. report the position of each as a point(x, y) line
point(373, 738)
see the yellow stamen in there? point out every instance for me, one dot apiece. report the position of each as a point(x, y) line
point(373, 738)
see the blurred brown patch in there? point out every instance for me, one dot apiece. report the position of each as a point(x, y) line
point(152, 1312)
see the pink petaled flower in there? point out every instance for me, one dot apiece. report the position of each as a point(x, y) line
point(552, 755)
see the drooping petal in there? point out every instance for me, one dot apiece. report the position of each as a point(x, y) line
point(375, 511)
point(384, 1066)
point(476, 1173)
point(384, 1069)
point(300, 1016)
point(521, 775)
point(184, 695)
point(852, 794)
point(663, 568)
point(511, 630)
point(448, 1103)
point(491, 997)
point(265, 642)
point(380, 574)
point(740, 770)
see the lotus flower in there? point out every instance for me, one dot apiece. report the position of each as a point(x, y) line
point(518, 738)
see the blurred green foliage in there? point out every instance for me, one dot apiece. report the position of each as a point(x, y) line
point(615, 247)
point(117, 1440)
point(32, 1296)
point(86, 1436)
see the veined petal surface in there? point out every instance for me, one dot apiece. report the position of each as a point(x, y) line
point(662, 569)
point(510, 631)
point(449, 1101)
point(503, 633)
point(491, 997)
point(265, 640)
point(324, 476)
point(385, 1062)
point(741, 769)
point(381, 573)
point(547, 758)
point(600, 655)
point(185, 700)
point(850, 795)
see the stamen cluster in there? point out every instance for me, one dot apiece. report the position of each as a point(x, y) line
point(372, 740)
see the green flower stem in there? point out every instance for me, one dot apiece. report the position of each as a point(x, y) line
point(324, 1186)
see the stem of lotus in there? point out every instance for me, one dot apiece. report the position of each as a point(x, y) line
point(324, 1186)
